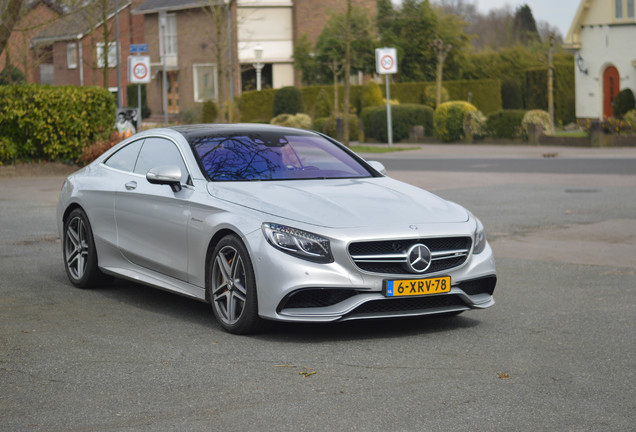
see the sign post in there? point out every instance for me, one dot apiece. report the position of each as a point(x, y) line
point(386, 64)
point(139, 72)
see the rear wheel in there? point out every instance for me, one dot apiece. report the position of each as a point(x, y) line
point(232, 287)
point(80, 255)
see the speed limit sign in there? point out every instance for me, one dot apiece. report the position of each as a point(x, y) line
point(139, 69)
point(385, 61)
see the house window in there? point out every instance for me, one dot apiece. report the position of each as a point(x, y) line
point(112, 54)
point(168, 23)
point(204, 82)
point(71, 55)
point(624, 9)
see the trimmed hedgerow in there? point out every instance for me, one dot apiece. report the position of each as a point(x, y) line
point(53, 123)
point(404, 116)
point(505, 124)
point(328, 126)
point(288, 100)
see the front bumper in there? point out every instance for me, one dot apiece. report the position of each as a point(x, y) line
point(291, 289)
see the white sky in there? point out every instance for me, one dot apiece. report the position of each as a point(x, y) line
point(559, 13)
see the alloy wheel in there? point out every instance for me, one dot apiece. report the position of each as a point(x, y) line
point(229, 285)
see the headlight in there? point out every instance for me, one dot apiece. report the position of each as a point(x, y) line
point(299, 243)
point(480, 238)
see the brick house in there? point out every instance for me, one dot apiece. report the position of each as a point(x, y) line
point(34, 18)
point(81, 54)
point(182, 38)
point(195, 72)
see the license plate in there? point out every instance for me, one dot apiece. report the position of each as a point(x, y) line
point(417, 287)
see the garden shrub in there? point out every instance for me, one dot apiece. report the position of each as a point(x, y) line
point(448, 120)
point(288, 100)
point(190, 115)
point(8, 150)
point(209, 111)
point(403, 117)
point(371, 95)
point(94, 150)
point(323, 106)
point(623, 103)
point(630, 118)
point(511, 94)
point(300, 120)
point(505, 124)
point(475, 125)
point(430, 96)
point(54, 122)
point(328, 126)
point(11, 75)
point(538, 117)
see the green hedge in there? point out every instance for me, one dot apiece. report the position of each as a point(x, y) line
point(403, 116)
point(52, 123)
point(288, 100)
point(537, 91)
point(257, 106)
point(485, 94)
point(505, 124)
point(328, 126)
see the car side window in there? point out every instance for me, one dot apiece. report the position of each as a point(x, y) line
point(126, 157)
point(158, 152)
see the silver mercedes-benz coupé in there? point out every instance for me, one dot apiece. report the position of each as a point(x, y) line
point(266, 222)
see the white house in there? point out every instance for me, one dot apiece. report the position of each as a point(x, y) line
point(603, 39)
point(267, 25)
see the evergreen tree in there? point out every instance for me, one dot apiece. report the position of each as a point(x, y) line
point(524, 25)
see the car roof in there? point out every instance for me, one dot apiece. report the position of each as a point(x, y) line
point(193, 132)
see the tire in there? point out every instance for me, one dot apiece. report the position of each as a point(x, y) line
point(232, 287)
point(80, 255)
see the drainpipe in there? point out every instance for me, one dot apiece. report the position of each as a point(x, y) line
point(81, 59)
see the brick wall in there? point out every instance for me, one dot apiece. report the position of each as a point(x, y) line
point(18, 46)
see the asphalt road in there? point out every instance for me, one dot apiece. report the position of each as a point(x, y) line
point(556, 353)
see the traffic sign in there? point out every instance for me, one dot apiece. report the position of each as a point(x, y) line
point(138, 48)
point(139, 69)
point(386, 61)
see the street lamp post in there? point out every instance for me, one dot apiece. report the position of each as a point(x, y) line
point(258, 54)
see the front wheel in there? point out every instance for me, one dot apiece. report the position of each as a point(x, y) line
point(80, 255)
point(232, 287)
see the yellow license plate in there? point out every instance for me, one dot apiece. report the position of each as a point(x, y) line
point(417, 287)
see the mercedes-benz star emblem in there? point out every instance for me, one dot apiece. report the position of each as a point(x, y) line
point(419, 258)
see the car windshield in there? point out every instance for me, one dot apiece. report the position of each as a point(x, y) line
point(263, 156)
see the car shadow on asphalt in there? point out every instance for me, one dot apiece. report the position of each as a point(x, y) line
point(196, 312)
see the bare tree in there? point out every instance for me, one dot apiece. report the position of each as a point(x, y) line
point(9, 16)
point(219, 12)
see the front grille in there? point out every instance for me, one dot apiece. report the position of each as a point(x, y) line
point(417, 304)
point(316, 297)
point(390, 256)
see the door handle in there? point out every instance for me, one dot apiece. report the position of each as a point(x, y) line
point(131, 185)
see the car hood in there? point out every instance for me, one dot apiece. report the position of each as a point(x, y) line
point(341, 203)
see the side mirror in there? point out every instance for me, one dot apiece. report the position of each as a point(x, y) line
point(378, 167)
point(166, 175)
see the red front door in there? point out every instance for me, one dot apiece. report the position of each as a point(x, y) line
point(611, 87)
